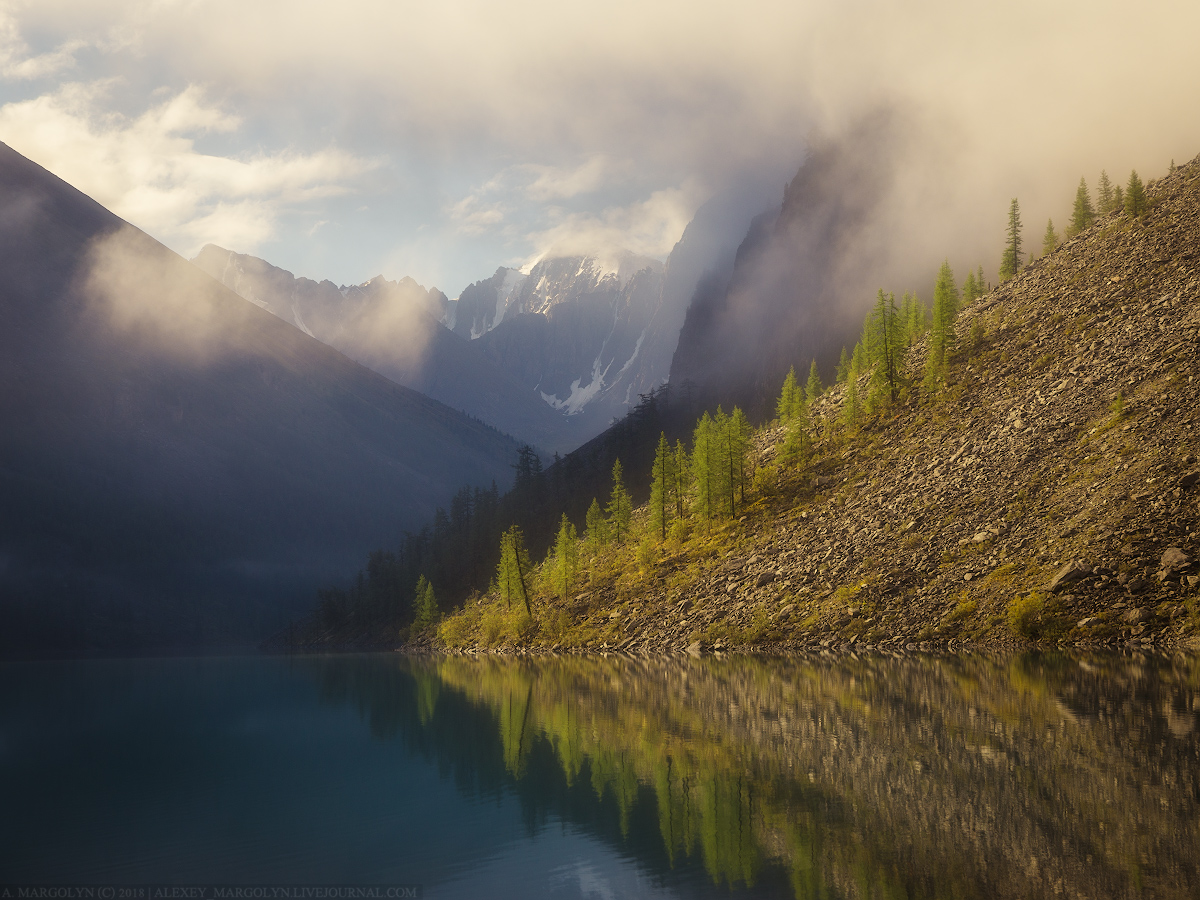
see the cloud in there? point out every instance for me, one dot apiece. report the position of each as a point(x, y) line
point(475, 215)
point(528, 203)
point(564, 182)
point(647, 227)
point(17, 60)
point(573, 113)
point(143, 292)
point(149, 171)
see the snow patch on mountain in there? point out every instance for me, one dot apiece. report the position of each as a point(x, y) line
point(579, 397)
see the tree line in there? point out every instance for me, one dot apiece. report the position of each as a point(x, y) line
point(693, 478)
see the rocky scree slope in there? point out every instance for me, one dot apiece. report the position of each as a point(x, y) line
point(1050, 494)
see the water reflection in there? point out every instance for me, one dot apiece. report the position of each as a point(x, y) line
point(876, 777)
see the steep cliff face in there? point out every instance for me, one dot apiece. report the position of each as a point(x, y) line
point(481, 306)
point(801, 279)
point(175, 463)
point(573, 333)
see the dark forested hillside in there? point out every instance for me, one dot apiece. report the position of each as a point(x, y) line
point(178, 466)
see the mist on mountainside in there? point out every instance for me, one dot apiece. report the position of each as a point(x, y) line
point(178, 468)
point(804, 276)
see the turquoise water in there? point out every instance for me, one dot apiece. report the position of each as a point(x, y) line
point(875, 777)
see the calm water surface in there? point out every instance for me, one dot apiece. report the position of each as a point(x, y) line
point(1027, 776)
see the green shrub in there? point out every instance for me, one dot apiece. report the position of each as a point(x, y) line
point(1026, 615)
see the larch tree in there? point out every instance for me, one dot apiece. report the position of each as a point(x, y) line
point(597, 528)
point(704, 486)
point(682, 472)
point(941, 332)
point(513, 570)
point(1083, 214)
point(662, 509)
point(814, 388)
point(738, 453)
point(788, 398)
point(1010, 262)
point(887, 345)
point(424, 604)
point(1135, 196)
point(843, 367)
point(620, 505)
point(1104, 195)
point(566, 558)
point(1049, 239)
point(796, 441)
point(970, 289)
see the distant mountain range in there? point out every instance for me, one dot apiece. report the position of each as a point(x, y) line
point(551, 357)
point(177, 466)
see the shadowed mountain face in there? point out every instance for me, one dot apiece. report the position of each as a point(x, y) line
point(176, 464)
point(801, 280)
point(395, 327)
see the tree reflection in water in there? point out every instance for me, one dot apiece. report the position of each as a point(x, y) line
point(958, 776)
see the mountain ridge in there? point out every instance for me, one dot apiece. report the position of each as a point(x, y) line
point(177, 466)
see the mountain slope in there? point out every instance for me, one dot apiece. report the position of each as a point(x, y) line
point(176, 463)
point(396, 329)
point(1049, 493)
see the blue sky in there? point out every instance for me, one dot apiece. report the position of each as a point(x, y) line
point(441, 140)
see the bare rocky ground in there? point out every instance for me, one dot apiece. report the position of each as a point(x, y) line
point(1051, 495)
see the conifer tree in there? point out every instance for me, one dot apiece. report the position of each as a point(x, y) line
point(1049, 239)
point(1084, 214)
point(915, 317)
point(597, 528)
point(620, 505)
point(789, 396)
point(661, 508)
point(980, 285)
point(1118, 197)
point(703, 464)
point(1010, 263)
point(682, 471)
point(738, 452)
point(513, 569)
point(843, 367)
point(797, 440)
point(814, 388)
point(1104, 195)
point(566, 558)
point(1135, 196)
point(941, 333)
point(424, 604)
point(887, 343)
point(721, 476)
point(970, 289)
point(859, 361)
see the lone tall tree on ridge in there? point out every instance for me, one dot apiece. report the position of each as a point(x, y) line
point(1010, 263)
